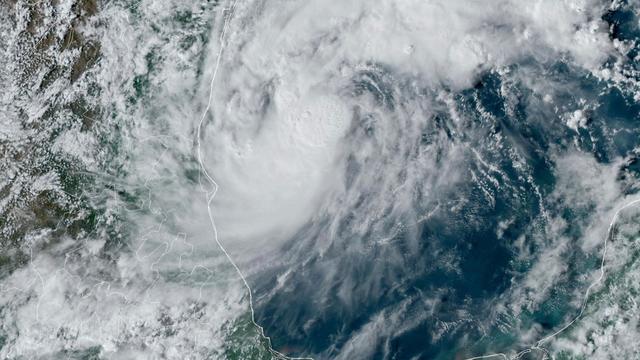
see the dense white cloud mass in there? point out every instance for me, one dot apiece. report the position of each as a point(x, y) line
point(352, 153)
point(284, 99)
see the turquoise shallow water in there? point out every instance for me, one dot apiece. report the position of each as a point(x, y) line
point(391, 184)
point(521, 137)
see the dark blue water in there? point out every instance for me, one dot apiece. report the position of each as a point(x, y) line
point(513, 129)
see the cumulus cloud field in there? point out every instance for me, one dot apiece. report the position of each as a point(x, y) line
point(386, 179)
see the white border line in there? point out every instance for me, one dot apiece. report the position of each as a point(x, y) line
point(211, 194)
point(538, 344)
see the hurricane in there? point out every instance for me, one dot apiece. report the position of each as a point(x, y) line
point(320, 179)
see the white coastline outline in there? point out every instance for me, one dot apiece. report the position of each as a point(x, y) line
point(538, 345)
point(210, 195)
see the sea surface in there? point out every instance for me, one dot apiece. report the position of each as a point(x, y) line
point(278, 179)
